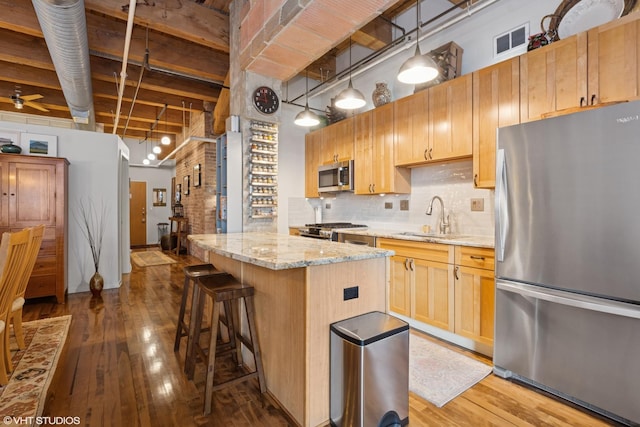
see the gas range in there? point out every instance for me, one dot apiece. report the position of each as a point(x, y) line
point(327, 230)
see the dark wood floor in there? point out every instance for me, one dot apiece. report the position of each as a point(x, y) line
point(118, 368)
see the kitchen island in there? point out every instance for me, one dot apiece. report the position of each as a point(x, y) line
point(301, 286)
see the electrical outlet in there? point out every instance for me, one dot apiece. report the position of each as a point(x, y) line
point(477, 205)
point(404, 205)
point(388, 205)
point(350, 293)
point(327, 205)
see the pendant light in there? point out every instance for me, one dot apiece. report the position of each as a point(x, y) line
point(165, 140)
point(419, 68)
point(306, 117)
point(350, 98)
point(156, 149)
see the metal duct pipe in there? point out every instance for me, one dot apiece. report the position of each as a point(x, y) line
point(64, 26)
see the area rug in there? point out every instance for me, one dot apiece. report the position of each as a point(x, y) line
point(149, 258)
point(24, 396)
point(438, 374)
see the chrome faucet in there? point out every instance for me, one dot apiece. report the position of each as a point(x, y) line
point(444, 221)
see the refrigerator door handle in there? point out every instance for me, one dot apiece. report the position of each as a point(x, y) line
point(502, 213)
point(574, 300)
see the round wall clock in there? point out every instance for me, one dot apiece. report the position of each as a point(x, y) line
point(265, 100)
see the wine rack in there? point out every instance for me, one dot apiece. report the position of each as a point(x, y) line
point(263, 169)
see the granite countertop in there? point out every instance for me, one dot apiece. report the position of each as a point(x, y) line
point(282, 251)
point(449, 239)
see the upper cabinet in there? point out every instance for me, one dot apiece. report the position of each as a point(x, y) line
point(450, 119)
point(337, 142)
point(412, 129)
point(496, 103)
point(435, 124)
point(590, 68)
point(375, 172)
point(614, 61)
point(553, 77)
point(313, 146)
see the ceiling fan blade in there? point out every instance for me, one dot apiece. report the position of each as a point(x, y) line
point(32, 97)
point(4, 99)
point(36, 106)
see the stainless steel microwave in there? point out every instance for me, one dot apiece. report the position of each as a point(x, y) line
point(335, 177)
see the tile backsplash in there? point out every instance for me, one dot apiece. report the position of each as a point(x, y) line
point(452, 181)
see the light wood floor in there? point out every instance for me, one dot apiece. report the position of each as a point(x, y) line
point(119, 369)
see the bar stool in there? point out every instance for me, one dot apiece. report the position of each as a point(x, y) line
point(191, 274)
point(225, 289)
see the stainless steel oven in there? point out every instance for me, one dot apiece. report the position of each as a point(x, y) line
point(327, 230)
point(357, 239)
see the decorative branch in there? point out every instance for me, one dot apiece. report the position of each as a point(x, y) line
point(92, 227)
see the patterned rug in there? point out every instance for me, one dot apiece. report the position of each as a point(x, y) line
point(149, 258)
point(438, 374)
point(34, 367)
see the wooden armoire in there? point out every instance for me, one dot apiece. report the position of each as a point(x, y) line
point(33, 191)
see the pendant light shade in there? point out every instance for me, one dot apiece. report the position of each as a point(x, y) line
point(165, 140)
point(350, 98)
point(419, 68)
point(151, 156)
point(156, 149)
point(306, 117)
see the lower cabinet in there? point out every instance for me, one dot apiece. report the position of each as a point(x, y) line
point(446, 286)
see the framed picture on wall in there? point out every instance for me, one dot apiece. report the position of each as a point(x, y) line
point(39, 145)
point(185, 185)
point(196, 175)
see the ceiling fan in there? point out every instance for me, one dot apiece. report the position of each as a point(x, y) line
point(20, 101)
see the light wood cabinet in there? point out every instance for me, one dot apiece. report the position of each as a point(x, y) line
point(451, 119)
point(412, 129)
point(313, 146)
point(496, 103)
point(337, 142)
point(446, 286)
point(599, 66)
point(474, 293)
point(421, 281)
point(435, 124)
point(613, 54)
point(375, 172)
point(34, 192)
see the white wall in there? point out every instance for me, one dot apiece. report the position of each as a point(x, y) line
point(155, 177)
point(94, 160)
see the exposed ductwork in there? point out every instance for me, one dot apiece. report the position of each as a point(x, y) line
point(64, 26)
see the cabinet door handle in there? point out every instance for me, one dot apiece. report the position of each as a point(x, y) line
point(455, 272)
point(430, 153)
point(475, 180)
point(593, 99)
point(373, 186)
point(425, 154)
point(481, 258)
point(406, 261)
point(370, 189)
point(582, 100)
point(412, 264)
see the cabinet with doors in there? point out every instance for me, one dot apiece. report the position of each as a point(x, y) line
point(411, 127)
point(496, 103)
point(474, 293)
point(591, 68)
point(313, 146)
point(33, 191)
point(447, 286)
point(375, 172)
point(421, 284)
point(337, 142)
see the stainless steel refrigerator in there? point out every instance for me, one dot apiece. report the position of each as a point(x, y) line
point(568, 257)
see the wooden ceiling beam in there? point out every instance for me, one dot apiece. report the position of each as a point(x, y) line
point(222, 108)
point(183, 19)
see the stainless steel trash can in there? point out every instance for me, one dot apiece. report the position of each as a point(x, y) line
point(369, 371)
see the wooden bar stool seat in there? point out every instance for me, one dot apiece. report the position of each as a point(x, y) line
point(191, 274)
point(226, 290)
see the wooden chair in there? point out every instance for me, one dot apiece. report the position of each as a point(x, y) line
point(35, 241)
point(13, 257)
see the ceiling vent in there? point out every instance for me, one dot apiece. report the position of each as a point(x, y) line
point(511, 43)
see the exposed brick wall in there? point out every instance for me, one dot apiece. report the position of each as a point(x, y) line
point(200, 203)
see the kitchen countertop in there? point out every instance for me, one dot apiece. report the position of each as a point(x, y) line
point(281, 251)
point(449, 239)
